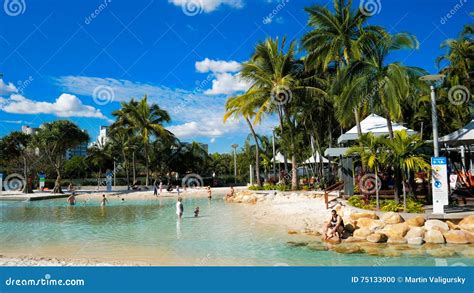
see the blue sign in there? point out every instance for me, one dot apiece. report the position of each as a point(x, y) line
point(439, 161)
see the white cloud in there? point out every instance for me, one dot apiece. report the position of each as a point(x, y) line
point(217, 66)
point(7, 88)
point(227, 84)
point(226, 81)
point(206, 5)
point(66, 105)
point(194, 114)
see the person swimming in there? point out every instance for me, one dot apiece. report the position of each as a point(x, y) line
point(209, 192)
point(72, 199)
point(104, 201)
point(196, 212)
point(179, 207)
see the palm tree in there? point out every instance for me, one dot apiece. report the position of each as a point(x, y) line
point(338, 38)
point(377, 83)
point(99, 158)
point(147, 120)
point(460, 58)
point(272, 74)
point(372, 155)
point(242, 106)
point(404, 152)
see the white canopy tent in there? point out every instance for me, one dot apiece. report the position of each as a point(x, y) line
point(374, 124)
point(310, 160)
point(279, 159)
point(463, 136)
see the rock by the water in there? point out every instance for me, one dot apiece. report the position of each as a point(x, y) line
point(362, 233)
point(296, 244)
point(392, 218)
point(436, 225)
point(415, 232)
point(292, 232)
point(441, 252)
point(417, 221)
point(415, 241)
point(356, 216)
point(395, 230)
point(456, 237)
point(396, 240)
point(317, 246)
point(467, 223)
point(434, 236)
point(347, 248)
point(377, 238)
point(333, 240)
point(452, 226)
point(352, 239)
point(349, 228)
point(370, 224)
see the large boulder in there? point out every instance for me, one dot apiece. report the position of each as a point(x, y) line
point(456, 237)
point(352, 239)
point(417, 221)
point(370, 215)
point(436, 225)
point(377, 238)
point(467, 223)
point(452, 226)
point(333, 240)
point(415, 241)
point(347, 248)
point(392, 218)
point(415, 232)
point(434, 236)
point(395, 230)
point(396, 240)
point(362, 233)
point(349, 228)
point(370, 224)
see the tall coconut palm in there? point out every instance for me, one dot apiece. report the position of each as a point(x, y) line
point(338, 38)
point(383, 86)
point(147, 120)
point(460, 58)
point(243, 106)
point(272, 74)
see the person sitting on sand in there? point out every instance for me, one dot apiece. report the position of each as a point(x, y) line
point(196, 212)
point(72, 199)
point(179, 207)
point(335, 226)
point(209, 192)
point(104, 201)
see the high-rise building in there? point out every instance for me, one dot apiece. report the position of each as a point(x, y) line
point(79, 151)
point(103, 136)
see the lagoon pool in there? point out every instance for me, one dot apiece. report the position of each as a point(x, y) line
point(148, 232)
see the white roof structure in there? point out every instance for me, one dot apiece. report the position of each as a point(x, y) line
point(278, 158)
point(374, 124)
point(463, 136)
point(310, 160)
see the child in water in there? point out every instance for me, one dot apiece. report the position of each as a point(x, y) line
point(196, 212)
point(209, 192)
point(104, 201)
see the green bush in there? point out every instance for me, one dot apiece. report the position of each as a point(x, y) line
point(388, 205)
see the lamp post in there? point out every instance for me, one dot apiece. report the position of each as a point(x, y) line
point(432, 79)
point(235, 146)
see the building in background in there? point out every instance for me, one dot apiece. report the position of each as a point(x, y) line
point(103, 138)
point(79, 151)
point(28, 130)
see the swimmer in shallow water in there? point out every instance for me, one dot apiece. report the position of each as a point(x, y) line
point(196, 212)
point(72, 199)
point(104, 201)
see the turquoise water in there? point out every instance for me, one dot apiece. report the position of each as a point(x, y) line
point(147, 231)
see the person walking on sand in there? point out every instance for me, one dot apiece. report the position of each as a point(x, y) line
point(71, 200)
point(179, 207)
point(104, 201)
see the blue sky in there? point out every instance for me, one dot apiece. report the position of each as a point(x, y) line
point(78, 59)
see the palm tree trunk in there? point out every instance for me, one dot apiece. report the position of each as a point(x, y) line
point(257, 154)
point(134, 168)
point(389, 126)
point(280, 117)
point(357, 120)
point(57, 183)
point(146, 164)
point(294, 173)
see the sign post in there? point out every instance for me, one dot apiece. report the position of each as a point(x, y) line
point(439, 183)
point(108, 180)
point(42, 180)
